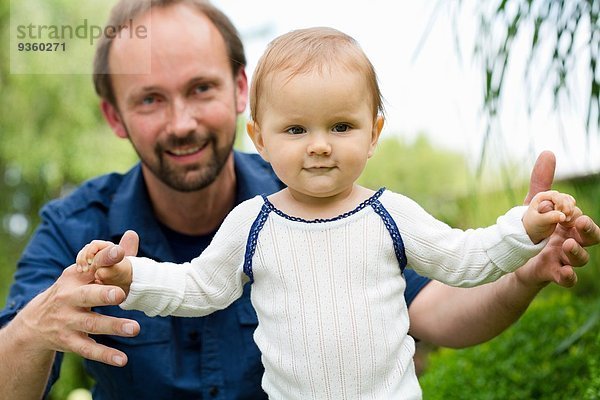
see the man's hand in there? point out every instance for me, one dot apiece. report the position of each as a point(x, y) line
point(107, 261)
point(541, 224)
point(60, 318)
point(565, 250)
point(457, 317)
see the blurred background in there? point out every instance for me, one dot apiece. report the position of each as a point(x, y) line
point(474, 91)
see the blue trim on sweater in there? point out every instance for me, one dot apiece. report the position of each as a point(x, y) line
point(362, 205)
point(372, 201)
point(392, 228)
point(257, 226)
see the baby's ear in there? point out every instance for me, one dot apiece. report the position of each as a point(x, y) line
point(253, 130)
point(377, 128)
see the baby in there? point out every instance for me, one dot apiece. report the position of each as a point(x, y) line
point(325, 256)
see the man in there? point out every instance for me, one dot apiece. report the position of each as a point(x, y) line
point(181, 119)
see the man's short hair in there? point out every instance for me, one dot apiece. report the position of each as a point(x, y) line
point(125, 10)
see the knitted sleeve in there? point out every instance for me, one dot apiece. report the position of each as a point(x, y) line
point(210, 282)
point(456, 257)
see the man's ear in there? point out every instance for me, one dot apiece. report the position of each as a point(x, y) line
point(113, 117)
point(253, 130)
point(241, 91)
point(377, 128)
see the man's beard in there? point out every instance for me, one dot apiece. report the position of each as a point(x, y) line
point(193, 177)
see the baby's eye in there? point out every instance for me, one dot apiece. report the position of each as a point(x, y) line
point(340, 128)
point(295, 130)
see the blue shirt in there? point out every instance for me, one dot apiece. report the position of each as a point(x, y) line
point(213, 357)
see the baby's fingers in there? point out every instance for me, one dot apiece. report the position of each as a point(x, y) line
point(82, 259)
point(106, 275)
point(570, 221)
point(119, 274)
point(112, 275)
point(85, 257)
point(552, 217)
point(545, 206)
point(566, 204)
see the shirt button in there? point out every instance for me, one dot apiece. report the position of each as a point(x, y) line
point(213, 391)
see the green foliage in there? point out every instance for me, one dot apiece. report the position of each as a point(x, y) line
point(72, 376)
point(53, 137)
point(523, 363)
point(431, 176)
point(52, 128)
point(570, 29)
point(481, 208)
point(587, 192)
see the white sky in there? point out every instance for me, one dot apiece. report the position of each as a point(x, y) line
point(435, 92)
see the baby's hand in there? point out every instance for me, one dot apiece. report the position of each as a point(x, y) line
point(546, 210)
point(85, 257)
point(107, 262)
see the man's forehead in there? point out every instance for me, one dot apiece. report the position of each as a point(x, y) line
point(167, 32)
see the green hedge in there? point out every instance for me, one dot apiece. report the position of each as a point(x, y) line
point(551, 353)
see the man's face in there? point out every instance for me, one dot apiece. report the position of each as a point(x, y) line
point(181, 116)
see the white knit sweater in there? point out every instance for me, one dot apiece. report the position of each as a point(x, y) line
point(333, 323)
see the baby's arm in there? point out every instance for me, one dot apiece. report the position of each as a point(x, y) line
point(456, 257)
point(119, 274)
point(546, 210)
point(210, 282)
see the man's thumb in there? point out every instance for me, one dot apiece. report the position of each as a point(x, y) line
point(542, 175)
point(130, 242)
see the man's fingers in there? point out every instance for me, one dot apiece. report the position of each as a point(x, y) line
point(576, 255)
point(589, 232)
point(130, 243)
point(566, 277)
point(109, 256)
point(542, 175)
point(98, 324)
point(88, 348)
point(93, 295)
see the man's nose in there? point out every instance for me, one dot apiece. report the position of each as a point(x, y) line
point(183, 120)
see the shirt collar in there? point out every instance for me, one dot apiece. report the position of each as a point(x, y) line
point(131, 207)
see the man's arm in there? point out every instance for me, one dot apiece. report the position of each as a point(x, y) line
point(24, 371)
point(458, 317)
point(58, 319)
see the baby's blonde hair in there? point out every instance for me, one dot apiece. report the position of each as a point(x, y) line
point(314, 49)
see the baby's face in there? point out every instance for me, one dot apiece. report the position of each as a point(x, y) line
point(317, 130)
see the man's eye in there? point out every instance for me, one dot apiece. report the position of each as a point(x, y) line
point(201, 88)
point(341, 128)
point(148, 100)
point(295, 130)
